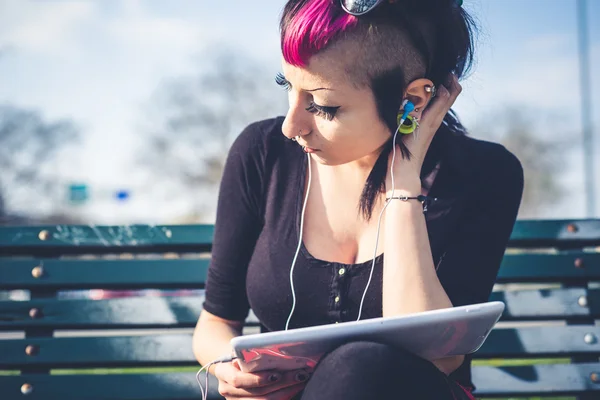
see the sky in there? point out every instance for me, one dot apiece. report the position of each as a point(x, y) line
point(100, 62)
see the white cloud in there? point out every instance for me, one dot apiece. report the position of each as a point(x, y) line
point(548, 43)
point(43, 27)
point(543, 82)
point(540, 73)
point(155, 38)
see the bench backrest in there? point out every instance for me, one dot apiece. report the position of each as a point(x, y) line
point(142, 344)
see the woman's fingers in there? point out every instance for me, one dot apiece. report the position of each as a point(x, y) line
point(287, 393)
point(232, 384)
point(446, 95)
point(454, 88)
point(228, 373)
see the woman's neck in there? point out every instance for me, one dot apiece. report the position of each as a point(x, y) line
point(357, 170)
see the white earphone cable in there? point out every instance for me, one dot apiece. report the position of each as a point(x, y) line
point(379, 222)
point(287, 324)
point(376, 238)
point(224, 359)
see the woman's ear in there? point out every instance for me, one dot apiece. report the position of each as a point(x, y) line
point(419, 92)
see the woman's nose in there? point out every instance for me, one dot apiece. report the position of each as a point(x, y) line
point(297, 121)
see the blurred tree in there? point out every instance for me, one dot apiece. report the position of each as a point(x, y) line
point(2, 205)
point(198, 118)
point(28, 146)
point(542, 156)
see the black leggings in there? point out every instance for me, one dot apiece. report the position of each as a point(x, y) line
point(367, 370)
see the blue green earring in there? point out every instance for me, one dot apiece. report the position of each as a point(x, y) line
point(409, 125)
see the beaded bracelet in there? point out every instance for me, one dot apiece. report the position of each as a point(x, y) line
point(425, 200)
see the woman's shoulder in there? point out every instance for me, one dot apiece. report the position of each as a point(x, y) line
point(259, 137)
point(491, 166)
point(492, 156)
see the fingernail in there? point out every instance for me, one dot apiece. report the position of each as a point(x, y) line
point(301, 376)
point(273, 378)
point(443, 92)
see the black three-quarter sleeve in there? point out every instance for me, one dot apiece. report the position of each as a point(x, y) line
point(469, 268)
point(238, 225)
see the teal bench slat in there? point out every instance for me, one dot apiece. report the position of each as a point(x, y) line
point(125, 313)
point(525, 233)
point(191, 273)
point(567, 233)
point(68, 239)
point(176, 349)
point(536, 380)
point(102, 352)
point(541, 342)
point(182, 312)
point(549, 304)
point(165, 386)
point(103, 274)
point(556, 380)
point(562, 267)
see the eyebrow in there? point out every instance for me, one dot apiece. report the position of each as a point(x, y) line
point(306, 90)
point(314, 90)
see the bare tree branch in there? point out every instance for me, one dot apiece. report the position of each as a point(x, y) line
point(199, 116)
point(28, 146)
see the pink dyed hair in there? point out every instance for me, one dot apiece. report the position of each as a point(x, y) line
point(312, 28)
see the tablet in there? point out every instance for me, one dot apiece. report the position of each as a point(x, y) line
point(431, 335)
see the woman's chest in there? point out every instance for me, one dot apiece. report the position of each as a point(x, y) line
point(324, 262)
point(336, 231)
point(336, 228)
point(325, 291)
point(321, 292)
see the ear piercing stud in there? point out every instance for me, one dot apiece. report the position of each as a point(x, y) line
point(430, 89)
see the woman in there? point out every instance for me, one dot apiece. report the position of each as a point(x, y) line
point(318, 181)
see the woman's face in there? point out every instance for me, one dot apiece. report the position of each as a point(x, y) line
point(336, 121)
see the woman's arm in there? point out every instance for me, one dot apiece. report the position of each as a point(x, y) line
point(411, 283)
point(473, 256)
point(238, 225)
point(211, 337)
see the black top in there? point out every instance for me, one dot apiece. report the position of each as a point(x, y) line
point(479, 187)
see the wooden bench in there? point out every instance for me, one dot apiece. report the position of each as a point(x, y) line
point(62, 338)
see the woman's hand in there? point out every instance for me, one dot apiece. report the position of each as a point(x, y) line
point(407, 172)
point(265, 385)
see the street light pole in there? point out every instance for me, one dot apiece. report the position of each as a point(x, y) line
point(586, 108)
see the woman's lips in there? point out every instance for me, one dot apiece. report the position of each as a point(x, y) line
point(308, 149)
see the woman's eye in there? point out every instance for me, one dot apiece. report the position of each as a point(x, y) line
point(281, 81)
point(325, 112)
point(322, 111)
